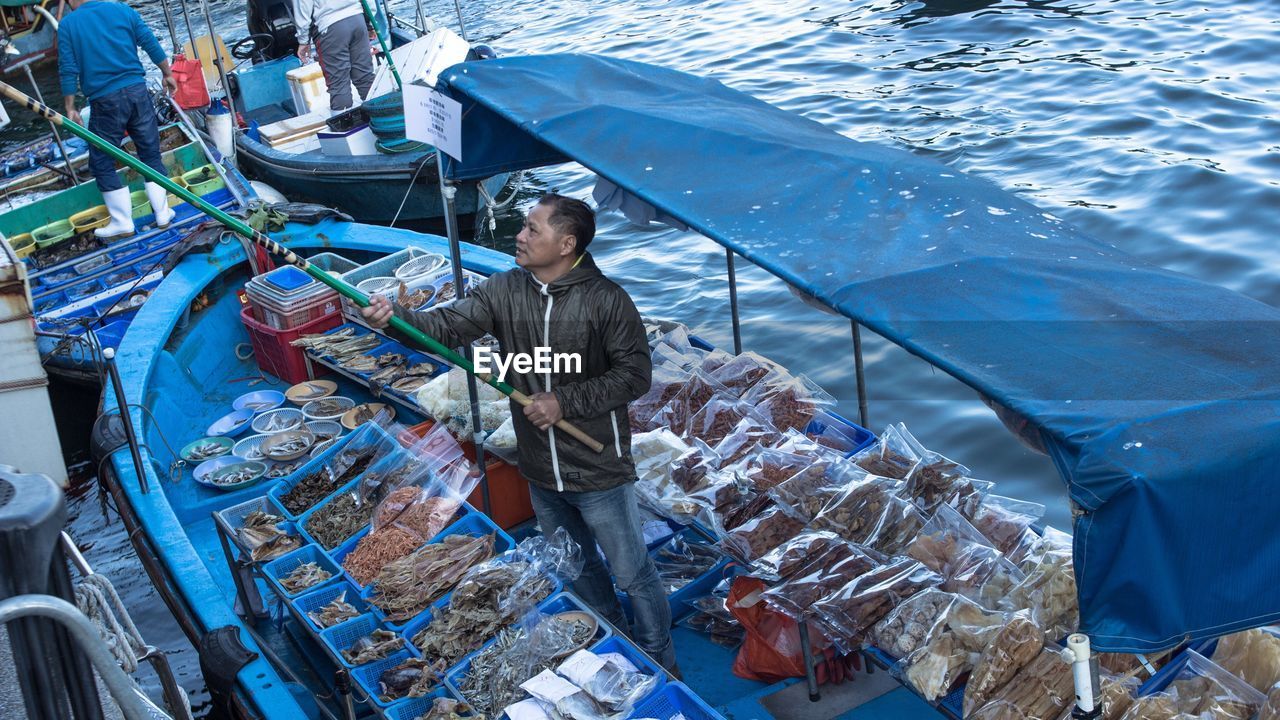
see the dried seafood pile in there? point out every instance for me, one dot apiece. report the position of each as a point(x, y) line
point(340, 518)
point(407, 586)
point(494, 675)
point(263, 537)
point(336, 611)
point(487, 599)
point(319, 484)
point(412, 678)
point(376, 645)
point(341, 345)
point(304, 576)
point(404, 520)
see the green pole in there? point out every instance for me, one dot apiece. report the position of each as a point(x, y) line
point(243, 229)
point(386, 51)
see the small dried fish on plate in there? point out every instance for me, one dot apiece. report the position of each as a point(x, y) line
point(364, 412)
point(236, 475)
point(410, 383)
point(282, 469)
point(206, 448)
point(387, 359)
point(288, 445)
point(305, 392)
point(386, 375)
point(360, 364)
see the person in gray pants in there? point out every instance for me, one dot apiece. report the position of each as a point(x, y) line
point(343, 44)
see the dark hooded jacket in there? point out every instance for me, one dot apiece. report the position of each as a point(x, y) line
point(583, 312)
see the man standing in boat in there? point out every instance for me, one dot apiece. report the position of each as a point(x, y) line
point(98, 54)
point(559, 300)
point(342, 40)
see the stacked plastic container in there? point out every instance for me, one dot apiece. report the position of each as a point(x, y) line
point(287, 297)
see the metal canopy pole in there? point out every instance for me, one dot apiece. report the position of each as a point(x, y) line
point(217, 62)
point(191, 34)
point(57, 136)
point(806, 656)
point(448, 192)
point(858, 373)
point(733, 302)
point(109, 355)
point(462, 27)
point(168, 21)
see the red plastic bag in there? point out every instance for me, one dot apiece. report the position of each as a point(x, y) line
point(771, 650)
point(192, 91)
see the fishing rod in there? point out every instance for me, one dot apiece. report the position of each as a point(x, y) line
point(243, 229)
point(386, 51)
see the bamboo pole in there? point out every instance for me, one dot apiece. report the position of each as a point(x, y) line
point(240, 227)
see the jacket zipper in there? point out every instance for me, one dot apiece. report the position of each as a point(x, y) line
point(617, 440)
point(546, 386)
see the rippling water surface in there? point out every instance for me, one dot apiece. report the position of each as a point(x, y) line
point(1151, 125)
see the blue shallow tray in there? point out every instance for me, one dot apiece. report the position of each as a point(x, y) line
point(340, 637)
point(282, 566)
point(366, 676)
point(315, 599)
point(673, 699)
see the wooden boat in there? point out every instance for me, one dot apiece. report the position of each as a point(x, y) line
point(28, 31)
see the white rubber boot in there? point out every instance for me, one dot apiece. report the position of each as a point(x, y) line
point(159, 198)
point(121, 225)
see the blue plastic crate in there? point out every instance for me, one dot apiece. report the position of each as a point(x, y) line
point(415, 708)
point(639, 658)
point(849, 435)
point(696, 588)
point(369, 433)
point(340, 637)
point(366, 676)
point(339, 554)
point(472, 523)
point(305, 516)
point(282, 566)
point(316, 599)
point(1165, 675)
point(558, 603)
point(675, 698)
point(699, 343)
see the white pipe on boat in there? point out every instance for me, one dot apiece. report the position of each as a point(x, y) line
point(46, 15)
point(1084, 675)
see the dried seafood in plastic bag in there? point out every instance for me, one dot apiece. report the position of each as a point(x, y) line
point(893, 455)
point(851, 611)
point(1014, 646)
point(664, 384)
point(743, 371)
point(913, 623)
point(1271, 709)
point(810, 490)
point(950, 546)
point(798, 555)
point(714, 421)
point(769, 468)
point(304, 576)
point(1003, 520)
point(1253, 655)
point(696, 392)
point(616, 687)
point(935, 480)
point(857, 510)
point(750, 435)
point(480, 606)
point(415, 677)
point(762, 534)
point(898, 525)
point(336, 611)
point(376, 645)
point(1203, 688)
point(790, 402)
point(408, 585)
point(1040, 691)
point(1049, 591)
point(493, 676)
point(680, 562)
point(953, 647)
point(796, 597)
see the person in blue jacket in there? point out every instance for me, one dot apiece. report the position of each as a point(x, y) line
point(98, 54)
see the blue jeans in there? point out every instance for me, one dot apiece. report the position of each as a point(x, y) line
point(611, 518)
point(127, 109)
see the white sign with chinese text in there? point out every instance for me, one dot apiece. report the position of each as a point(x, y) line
point(433, 118)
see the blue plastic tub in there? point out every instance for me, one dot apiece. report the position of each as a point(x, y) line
point(316, 599)
point(558, 603)
point(679, 600)
point(1165, 675)
point(340, 637)
point(372, 435)
point(280, 567)
point(672, 699)
point(848, 437)
point(415, 708)
point(366, 677)
point(639, 658)
point(472, 523)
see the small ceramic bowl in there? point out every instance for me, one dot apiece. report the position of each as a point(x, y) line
point(250, 472)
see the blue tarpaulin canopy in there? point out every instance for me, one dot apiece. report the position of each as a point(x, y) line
point(1156, 395)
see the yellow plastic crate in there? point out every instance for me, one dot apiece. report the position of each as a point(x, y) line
point(91, 219)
